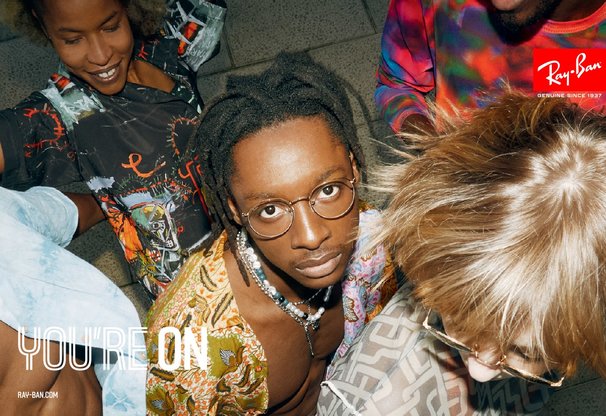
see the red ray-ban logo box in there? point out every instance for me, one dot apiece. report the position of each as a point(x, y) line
point(569, 70)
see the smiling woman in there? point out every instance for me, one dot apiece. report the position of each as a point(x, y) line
point(117, 115)
point(94, 41)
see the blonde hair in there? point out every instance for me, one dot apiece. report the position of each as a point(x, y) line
point(500, 222)
point(145, 17)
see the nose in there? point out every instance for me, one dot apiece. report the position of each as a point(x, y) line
point(308, 229)
point(99, 52)
point(480, 371)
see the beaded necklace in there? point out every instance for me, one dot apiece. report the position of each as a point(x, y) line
point(305, 319)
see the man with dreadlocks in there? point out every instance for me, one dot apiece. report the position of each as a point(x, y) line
point(280, 289)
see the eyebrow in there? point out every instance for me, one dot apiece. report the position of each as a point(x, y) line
point(110, 17)
point(322, 178)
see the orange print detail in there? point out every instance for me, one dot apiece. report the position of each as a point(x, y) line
point(142, 54)
point(189, 175)
point(134, 160)
point(173, 131)
point(189, 33)
point(58, 130)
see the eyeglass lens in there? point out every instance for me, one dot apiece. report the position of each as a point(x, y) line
point(330, 200)
point(550, 378)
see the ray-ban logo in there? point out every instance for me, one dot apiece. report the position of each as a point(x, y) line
point(569, 70)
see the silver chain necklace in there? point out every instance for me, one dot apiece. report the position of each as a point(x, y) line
point(305, 319)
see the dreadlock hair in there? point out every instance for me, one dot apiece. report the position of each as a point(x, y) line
point(145, 17)
point(294, 86)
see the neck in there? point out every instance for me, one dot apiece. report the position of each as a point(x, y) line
point(569, 10)
point(143, 73)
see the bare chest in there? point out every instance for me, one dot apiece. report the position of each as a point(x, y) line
point(294, 375)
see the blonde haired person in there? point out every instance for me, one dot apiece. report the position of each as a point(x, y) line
point(499, 223)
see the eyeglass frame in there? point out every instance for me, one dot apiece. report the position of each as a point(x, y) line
point(344, 181)
point(475, 351)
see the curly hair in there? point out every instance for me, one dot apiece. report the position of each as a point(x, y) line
point(145, 17)
point(500, 222)
point(294, 86)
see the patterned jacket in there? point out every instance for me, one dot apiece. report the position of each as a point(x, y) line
point(235, 381)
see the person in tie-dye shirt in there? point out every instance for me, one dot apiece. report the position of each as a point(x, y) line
point(460, 50)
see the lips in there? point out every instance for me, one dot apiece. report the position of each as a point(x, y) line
point(506, 5)
point(107, 75)
point(320, 266)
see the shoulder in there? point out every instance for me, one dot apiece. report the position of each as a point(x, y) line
point(232, 352)
point(35, 101)
point(201, 293)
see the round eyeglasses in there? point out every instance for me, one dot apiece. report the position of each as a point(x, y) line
point(551, 379)
point(274, 217)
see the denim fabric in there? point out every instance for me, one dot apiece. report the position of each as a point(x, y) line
point(42, 286)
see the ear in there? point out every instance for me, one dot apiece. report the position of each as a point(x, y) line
point(354, 167)
point(235, 213)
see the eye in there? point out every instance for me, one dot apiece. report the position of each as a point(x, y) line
point(521, 355)
point(270, 212)
point(73, 41)
point(112, 28)
point(329, 191)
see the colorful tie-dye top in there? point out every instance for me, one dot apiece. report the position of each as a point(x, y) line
point(235, 380)
point(451, 49)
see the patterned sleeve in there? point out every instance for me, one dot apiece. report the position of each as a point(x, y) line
point(405, 72)
point(35, 146)
point(197, 26)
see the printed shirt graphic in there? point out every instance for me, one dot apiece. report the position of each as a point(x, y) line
point(235, 381)
point(450, 46)
point(44, 286)
point(413, 373)
point(130, 149)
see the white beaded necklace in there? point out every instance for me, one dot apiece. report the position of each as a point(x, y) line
point(253, 266)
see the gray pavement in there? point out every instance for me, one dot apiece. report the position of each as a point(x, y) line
point(344, 35)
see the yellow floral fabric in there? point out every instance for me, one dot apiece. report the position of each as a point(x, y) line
point(235, 382)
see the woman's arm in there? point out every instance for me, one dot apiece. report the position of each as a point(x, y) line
point(89, 211)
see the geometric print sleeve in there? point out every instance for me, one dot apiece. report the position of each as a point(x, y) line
point(406, 68)
point(394, 368)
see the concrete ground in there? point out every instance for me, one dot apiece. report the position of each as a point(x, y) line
point(344, 35)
